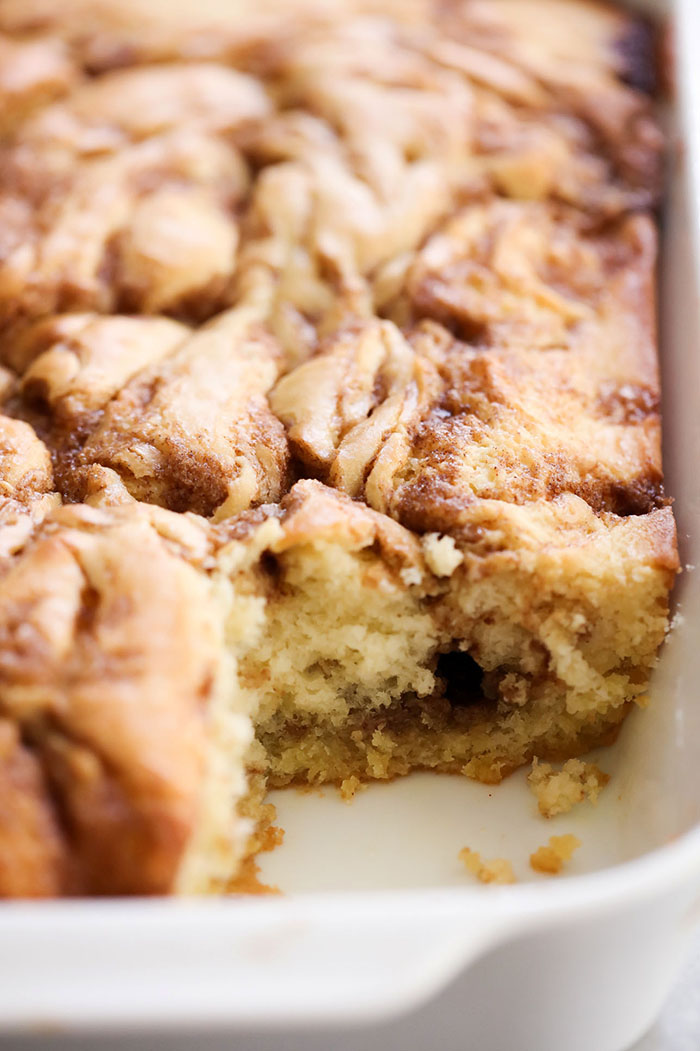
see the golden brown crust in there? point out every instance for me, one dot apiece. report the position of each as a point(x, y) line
point(25, 464)
point(112, 205)
point(32, 73)
point(471, 98)
point(195, 433)
point(26, 485)
point(108, 658)
point(73, 364)
point(34, 861)
point(181, 416)
point(556, 390)
point(311, 512)
point(524, 274)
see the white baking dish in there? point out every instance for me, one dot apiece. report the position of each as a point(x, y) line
point(382, 928)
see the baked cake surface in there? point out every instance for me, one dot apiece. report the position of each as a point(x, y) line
point(330, 443)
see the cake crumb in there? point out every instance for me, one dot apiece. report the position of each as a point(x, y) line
point(349, 787)
point(498, 870)
point(411, 575)
point(550, 859)
point(441, 554)
point(557, 791)
point(485, 769)
point(247, 880)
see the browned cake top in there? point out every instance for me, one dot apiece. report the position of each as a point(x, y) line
point(472, 164)
point(402, 248)
point(108, 657)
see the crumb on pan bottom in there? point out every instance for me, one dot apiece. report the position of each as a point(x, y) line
point(558, 791)
point(498, 870)
point(550, 859)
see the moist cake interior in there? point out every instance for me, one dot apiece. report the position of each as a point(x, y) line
point(330, 439)
point(356, 673)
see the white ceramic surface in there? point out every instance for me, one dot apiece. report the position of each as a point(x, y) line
point(380, 918)
point(676, 1029)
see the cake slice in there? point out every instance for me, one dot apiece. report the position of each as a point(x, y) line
point(378, 653)
point(115, 706)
